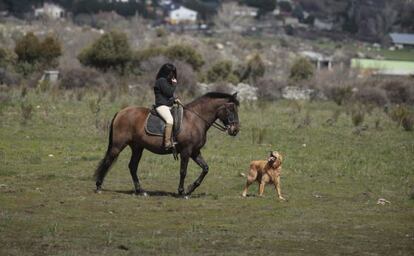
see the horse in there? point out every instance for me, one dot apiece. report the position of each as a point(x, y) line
point(128, 129)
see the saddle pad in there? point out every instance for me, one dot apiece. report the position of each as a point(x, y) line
point(155, 125)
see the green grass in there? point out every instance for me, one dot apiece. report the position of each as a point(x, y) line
point(331, 177)
point(402, 55)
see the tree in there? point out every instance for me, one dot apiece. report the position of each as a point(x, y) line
point(110, 51)
point(50, 50)
point(186, 54)
point(302, 69)
point(28, 48)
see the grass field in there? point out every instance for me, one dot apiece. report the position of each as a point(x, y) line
point(331, 176)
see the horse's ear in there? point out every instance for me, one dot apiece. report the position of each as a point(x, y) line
point(235, 95)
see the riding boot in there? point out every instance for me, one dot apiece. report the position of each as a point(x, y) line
point(167, 136)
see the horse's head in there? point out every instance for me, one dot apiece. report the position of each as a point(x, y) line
point(228, 115)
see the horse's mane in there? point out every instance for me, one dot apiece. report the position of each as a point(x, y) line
point(218, 95)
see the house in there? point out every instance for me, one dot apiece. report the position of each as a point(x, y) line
point(401, 40)
point(50, 10)
point(182, 15)
point(383, 67)
point(319, 60)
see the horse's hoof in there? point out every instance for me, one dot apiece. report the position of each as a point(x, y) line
point(186, 197)
point(98, 191)
point(141, 193)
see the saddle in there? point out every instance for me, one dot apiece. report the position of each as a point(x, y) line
point(155, 125)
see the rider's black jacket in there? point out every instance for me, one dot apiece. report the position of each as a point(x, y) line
point(164, 92)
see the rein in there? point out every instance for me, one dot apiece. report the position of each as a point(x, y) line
point(216, 125)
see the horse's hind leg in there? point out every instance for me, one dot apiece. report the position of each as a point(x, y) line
point(105, 165)
point(133, 168)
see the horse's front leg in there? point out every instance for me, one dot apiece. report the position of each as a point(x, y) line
point(200, 161)
point(183, 172)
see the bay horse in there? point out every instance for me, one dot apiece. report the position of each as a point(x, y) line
point(128, 129)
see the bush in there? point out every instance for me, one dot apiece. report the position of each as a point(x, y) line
point(399, 113)
point(50, 50)
point(269, 89)
point(80, 78)
point(26, 111)
point(371, 95)
point(220, 71)
point(28, 48)
point(357, 116)
point(9, 78)
point(408, 122)
point(148, 53)
point(302, 69)
point(339, 94)
point(399, 91)
point(186, 54)
point(33, 54)
point(255, 67)
point(7, 58)
point(110, 51)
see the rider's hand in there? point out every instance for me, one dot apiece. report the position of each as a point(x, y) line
point(178, 101)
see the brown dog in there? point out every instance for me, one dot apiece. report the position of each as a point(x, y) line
point(266, 171)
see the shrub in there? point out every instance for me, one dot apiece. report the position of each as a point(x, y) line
point(255, 67)
point(9, 77)
point(186, 54)
point(80, 78)
point(220, 71)
point(148, 53)
point(7, 58)
point(33, 54)
point(161, 32)
point(399, 91)
point(26, 111)
point(371, 95)
point(50, 50)
point(399, 113)
point(408, 122)
point(28, 48)
point(269, 89)
point(339, 94)
point(357, 116)
point(302, 69)
point(110, 51)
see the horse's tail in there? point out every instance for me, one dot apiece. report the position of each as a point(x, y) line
point(106, 162)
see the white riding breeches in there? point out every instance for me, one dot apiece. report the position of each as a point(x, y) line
point(165, 113)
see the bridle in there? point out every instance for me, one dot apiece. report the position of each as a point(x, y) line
point(230, 119)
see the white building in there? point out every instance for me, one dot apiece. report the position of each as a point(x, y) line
point(182, 15)
point(320, 61)
point(50, 10)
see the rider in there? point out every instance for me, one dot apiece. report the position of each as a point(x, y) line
point(164, 88)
